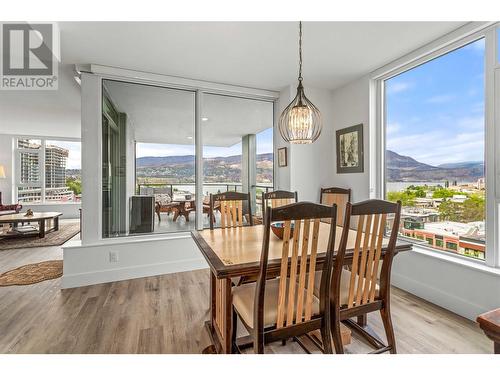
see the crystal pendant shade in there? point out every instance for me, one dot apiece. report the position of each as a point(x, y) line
point(300, 122)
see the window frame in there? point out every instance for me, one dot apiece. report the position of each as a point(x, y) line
point(41, 157)
point(434, 50)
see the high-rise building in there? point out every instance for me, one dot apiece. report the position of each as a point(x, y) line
point(55, 173)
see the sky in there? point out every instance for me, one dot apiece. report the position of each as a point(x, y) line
point(264, 145)
point(435, 112)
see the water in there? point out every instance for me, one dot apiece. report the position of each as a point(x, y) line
point(399, 186)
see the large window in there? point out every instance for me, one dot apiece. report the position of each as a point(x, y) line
point(435, 150)
point(48, 171)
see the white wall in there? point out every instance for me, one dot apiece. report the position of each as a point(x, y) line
point(90, 264)
point(454, 284)
point(43, 113)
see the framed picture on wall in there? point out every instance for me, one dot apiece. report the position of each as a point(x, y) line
point(350, 149)
point(282, 157)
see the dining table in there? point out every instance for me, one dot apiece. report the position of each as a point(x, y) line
point(235, 252)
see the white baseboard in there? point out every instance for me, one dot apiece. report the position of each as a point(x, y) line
point(448, 301)
point(127, 273)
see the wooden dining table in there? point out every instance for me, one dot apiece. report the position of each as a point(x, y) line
point(235, 252)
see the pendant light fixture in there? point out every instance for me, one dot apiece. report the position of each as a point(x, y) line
point(300, 122)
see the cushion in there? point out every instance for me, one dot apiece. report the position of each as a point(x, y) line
point(244, 297)
point(163, 198)
point(345, 281)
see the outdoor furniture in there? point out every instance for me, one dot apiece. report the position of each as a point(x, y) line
point(163, 203)
point(490, 324)
point(285, 307)
point(236, 252)
point(182, 207)
point(9, 209)
point(42, 218)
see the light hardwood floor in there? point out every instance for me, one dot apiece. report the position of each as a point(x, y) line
point(165, 314)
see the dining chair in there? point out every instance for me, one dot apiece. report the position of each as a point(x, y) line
point(278, 198)
point(366, 288)
point(338, 196)
point(231, 207)
point(284, 307)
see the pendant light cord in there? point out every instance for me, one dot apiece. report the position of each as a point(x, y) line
point(300, 50)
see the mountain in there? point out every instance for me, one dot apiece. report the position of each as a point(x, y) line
point(217, 169)
point(405, 168)
point(465, 164)
point(158, 161)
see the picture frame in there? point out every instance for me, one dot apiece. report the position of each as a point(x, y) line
point(282, 157)
point(350, 155)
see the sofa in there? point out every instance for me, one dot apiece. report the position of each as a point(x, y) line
point(9, 209)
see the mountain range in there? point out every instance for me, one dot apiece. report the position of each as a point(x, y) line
point(216, 169)
point(405, 168)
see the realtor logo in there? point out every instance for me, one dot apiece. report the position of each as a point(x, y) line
point(30, 56)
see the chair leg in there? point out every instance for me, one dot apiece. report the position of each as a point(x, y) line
point(326, 337)
point(336, 335)
point(233, 334)
point(385, 314)
point(258, 344)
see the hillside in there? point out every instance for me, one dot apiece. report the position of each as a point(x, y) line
point(218, 169)
point(405, 168)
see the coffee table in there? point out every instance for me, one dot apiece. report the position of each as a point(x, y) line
point(39, 217)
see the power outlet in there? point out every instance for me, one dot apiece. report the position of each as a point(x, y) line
point(113, 256)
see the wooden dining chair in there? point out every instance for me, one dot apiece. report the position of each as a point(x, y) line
point(358, 291)
point(338, 196)
point(285, 307)
point(231, 207)
point(278, 198)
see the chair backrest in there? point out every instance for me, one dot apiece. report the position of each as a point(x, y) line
point(373, 217)
point(277, 198)
point(232, 205)
point(338, 196)
point(296, 281)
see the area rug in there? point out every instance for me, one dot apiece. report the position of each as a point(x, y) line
point(66, 231)
point(32, 273)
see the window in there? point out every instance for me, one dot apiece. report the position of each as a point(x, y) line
point(148, 160)
point(435, 145)
point(238, 147)
point(48, 171)
point(265, 165)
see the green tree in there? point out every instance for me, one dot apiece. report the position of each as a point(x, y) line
point(74, 185)
point(443, 193)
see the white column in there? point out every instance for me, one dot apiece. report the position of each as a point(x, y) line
point(91, 159)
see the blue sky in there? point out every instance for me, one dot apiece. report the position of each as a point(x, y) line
point(435, 112)
point(264, 145)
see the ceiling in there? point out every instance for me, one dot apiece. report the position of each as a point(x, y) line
point(161, 115)
point(254, 54)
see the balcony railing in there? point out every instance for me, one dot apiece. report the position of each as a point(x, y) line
point(208, 188)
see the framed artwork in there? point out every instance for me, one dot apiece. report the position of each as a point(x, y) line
point(350, 149)
point(282, 157)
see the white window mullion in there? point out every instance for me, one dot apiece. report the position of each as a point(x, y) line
point(41, 159)
point(492, 153)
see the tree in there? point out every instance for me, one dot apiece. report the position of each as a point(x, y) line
point(74, 185)
point(443, 193)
